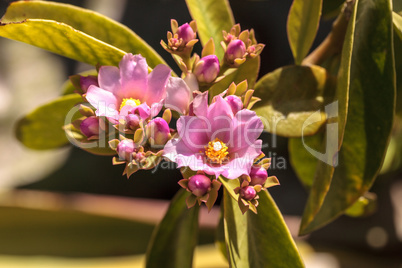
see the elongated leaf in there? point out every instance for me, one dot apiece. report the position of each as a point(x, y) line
point(258, 240)
point(84, 20)
point(42, 128)
point(174, 240)
point(331, 139)
point(62, 39)
point(304, 17)
point(370, 113)
point(247, 71)
point(212, 17)
point(291, 99)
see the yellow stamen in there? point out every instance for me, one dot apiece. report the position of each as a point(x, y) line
point(129, 101)
point(216, 151)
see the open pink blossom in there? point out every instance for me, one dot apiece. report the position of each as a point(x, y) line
point(215, 140)
point(125, 87)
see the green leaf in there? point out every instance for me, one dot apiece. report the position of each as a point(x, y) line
point(291, 98)
point(370, 113)
point(62, 39)
point(303, 162)
point(86, 21)
point(174, 240)
point(303, 19)
point(258, 240)
point(212, 17)
point(331, 8)
point(247, 71)
point(42, 128)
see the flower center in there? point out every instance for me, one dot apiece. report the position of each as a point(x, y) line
point(129, 101)
point(216, 151)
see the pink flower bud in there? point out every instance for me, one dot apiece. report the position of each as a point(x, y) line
point(258, 175)
point(132, 121)
point(86, 81)
point(248, 193)
point(207, 69)
point(186, 33)
point(125, 149)
point(235, 103)
point(158, 131)
point(90, 126)
point(199, 184)
point(236, 49)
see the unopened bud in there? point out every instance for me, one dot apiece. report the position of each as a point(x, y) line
point(235, 103)
point(199, 184)
point(186, 33)
point(235, 50)
point(207, 69)
point(86, 81)
point(90, 126)
point(248, 193)
point(158, 131)
point(125, 149)
point(258, 175)
point(132, 121)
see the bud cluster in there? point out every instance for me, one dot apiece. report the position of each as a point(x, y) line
point(239, 46)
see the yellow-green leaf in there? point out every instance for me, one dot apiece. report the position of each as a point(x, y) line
point(86, 21)
point(304, 17)
point(212, 17)
point(43, 128)
point(258, 240)
point(62, 39)
point(291, 99)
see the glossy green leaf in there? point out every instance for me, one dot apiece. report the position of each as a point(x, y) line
point(42, 128)
point(303, 19)
point(247, 71)
point(62, 39)
point(331, 8)
point(258, 240)
point(68, 233)
point(292, 97)
point(303, 162)
point(86, 21)
point(331, 138)
point(364, 206)
point(397, 6)
point(175, 238)
point(370, 113)
point(212, 17)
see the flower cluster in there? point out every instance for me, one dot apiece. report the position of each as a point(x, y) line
point(216, 136)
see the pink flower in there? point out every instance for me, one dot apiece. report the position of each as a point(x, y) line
point(216, 140)
point(121, 89)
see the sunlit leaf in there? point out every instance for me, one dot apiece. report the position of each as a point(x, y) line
point(258, 240)
point(86, 21)
point(62, 39)
point(292, 97)
point(42, 128)
point(370, 114)
point(302, 26)
point(212, 17)
point(174, 240)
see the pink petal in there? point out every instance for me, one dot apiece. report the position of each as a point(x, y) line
point(200, 104)
point(157, 81)
point(246, 128)
point(242, 161)
point(134, 77)
point(104, 101)
point(178, 95)
point(220, 118)
point(109, 78)
point(156, 108)
point(177, 151)
point(194, 132)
